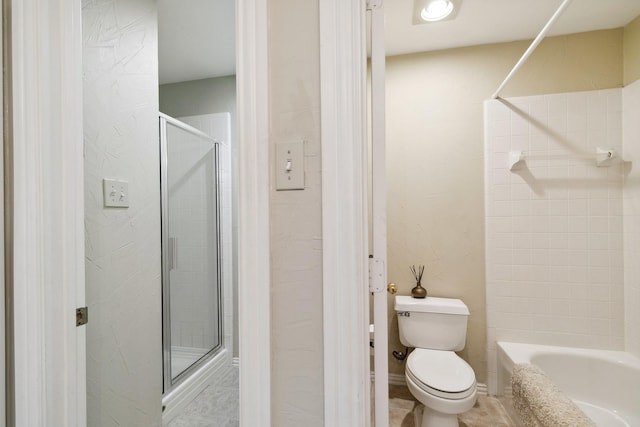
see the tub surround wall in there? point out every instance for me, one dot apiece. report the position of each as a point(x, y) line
point(554, 242)
point(435, 158)
point(124, 334)
point(631, 188)
point(631, 202)
point(296, 218)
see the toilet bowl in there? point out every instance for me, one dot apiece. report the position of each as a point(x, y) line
point(443, 382)
point(436, 376)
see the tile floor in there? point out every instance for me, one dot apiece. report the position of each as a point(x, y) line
point(488, 411)
point(217, 406)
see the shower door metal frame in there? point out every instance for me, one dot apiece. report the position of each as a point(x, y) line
point(168, 382)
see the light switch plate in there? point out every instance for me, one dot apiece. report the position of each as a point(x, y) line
point(116, 193)
point(290, 166)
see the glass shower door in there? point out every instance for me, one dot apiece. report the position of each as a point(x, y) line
point(192, 292)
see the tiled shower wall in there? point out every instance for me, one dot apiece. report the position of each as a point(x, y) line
point(194, 316)
point(631, 200)
point(554, 228)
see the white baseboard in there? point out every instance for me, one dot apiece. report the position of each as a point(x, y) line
point(482, 389)
point(396, 379)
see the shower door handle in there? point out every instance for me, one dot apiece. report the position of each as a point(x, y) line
point(173, 253)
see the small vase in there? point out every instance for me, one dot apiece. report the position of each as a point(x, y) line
point(418, 291)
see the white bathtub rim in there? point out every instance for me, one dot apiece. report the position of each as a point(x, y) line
point(515, 353)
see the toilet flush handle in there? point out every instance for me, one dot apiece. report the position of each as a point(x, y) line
point(392, 288)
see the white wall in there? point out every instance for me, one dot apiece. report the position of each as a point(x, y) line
point(631, 195)
point(554, 229)
point(124, 353)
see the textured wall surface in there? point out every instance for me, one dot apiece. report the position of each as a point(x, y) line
point(124, 346)
point(554, 234)
point(631, 200)
point(296, 232)
point(435, 158)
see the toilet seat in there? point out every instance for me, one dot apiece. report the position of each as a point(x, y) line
point(441, 373)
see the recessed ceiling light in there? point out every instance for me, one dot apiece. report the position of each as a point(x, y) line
point(436, 10)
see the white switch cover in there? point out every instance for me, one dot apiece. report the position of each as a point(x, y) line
point(290, 166)
point(116, 193)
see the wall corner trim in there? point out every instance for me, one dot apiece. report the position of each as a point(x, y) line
point(254, 275)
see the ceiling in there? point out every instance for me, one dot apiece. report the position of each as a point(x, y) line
point(198, 41)
point(493, 21)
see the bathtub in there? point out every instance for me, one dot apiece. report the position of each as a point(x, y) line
point(604, 384)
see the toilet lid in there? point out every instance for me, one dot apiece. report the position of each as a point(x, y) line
point(440, 371)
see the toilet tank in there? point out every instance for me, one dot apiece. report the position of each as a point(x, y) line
point(432, 322)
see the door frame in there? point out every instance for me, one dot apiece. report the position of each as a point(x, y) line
point(46, 238)
point(254, 272)
point(378, 285)
point(343, 66)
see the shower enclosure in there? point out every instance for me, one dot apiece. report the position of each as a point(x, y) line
point(192, 282)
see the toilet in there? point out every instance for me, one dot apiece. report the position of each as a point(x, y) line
point(436, 376)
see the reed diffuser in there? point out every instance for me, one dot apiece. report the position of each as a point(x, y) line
point(418, 291)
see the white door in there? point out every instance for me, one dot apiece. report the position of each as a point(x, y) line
point(378, 275)
point(44, 214)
